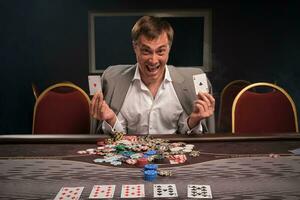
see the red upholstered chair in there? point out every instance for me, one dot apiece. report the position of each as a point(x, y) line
point(228, 94)
point(62, 109)
point(271, 110)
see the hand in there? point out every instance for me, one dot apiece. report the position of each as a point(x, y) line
point(101, 111)
point(204, 107)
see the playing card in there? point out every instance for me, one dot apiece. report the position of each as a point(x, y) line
point(102, 192)
point(133, 191)
point(200, 82)
point(199, 191)
point(69, 193)
point(295, 151)
point(164, 190)
point(94, 84)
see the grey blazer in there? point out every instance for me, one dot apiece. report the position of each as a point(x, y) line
point(116, 81)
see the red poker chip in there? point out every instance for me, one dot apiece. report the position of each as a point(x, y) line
point(100, 143)
point(141, 162)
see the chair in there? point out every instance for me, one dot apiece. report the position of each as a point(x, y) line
point(62, 109)
point(271, 110)
point(228, 94)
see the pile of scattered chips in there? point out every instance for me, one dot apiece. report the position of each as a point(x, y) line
point(162, 172)
point(139, 150)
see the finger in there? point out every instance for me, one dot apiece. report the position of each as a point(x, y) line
point(104, 106)
point(203, 104)
point(101, 102)
point(200, 108)
point(210, 98)
point(93, 104)
point(203, 110)
point(204, 98)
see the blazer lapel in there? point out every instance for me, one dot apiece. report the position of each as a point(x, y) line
point(181, 90)
point(121, 88)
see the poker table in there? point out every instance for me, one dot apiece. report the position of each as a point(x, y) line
point(235, 166)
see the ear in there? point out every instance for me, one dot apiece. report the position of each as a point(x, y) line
point(134, 45)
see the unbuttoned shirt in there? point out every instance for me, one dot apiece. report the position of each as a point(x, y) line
point(143, 114)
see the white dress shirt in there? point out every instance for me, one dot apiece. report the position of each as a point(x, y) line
point(141, 113)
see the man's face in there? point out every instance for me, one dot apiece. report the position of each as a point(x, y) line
point(152, 56)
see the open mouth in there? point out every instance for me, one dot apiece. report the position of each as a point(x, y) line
point(153, 69)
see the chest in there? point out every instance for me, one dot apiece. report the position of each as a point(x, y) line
point(140, 100)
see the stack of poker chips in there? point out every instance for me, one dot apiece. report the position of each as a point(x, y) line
point(150, 172)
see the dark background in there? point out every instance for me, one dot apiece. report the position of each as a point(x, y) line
point(46, 41)
point(189, 46)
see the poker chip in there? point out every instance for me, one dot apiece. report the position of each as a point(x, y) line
point(273, 155)
point(136, 155)
point(100, 143)
point(131, 138)
point(81, 152)
point(109, 141)
point(141, 151)
point(164, 172)
point(115, 163)
point(150, 175)
point(150, 152)
point(131, 161)
point(187, 150)
point(127, 153)
point(177, 159)
point(120, 147)
point(189, 146)
point(144, 148)
point(176, 149)
point(141, 162)
point(118, 136)
point(99, 160)
point(150, 167)
point(194, 153)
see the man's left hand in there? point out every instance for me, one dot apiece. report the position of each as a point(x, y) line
point(204, 107)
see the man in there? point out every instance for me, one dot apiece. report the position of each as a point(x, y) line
point(151, 97)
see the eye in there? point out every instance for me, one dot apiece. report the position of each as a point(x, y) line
point(145, 51)
point(161, 52)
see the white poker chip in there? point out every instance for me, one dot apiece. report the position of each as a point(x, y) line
point(187, 150)
point(99, 160)
point(90, 150)
point(189, 146)
point(176, 149)
point(81, 152)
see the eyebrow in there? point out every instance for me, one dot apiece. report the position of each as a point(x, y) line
point(162, 46)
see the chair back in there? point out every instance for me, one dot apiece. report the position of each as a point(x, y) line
point(62, 109)
point(271, 111)
point(228, 94)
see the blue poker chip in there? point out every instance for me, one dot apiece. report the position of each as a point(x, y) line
point(150, 175)
point(150, 172)
point(151, 152)
point(127, 153)
point(150, 167)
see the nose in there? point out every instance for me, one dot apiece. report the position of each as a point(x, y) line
point(153, 59)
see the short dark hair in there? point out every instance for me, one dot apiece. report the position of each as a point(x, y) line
point(151, 27)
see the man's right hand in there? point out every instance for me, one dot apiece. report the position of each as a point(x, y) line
point(101, 111)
